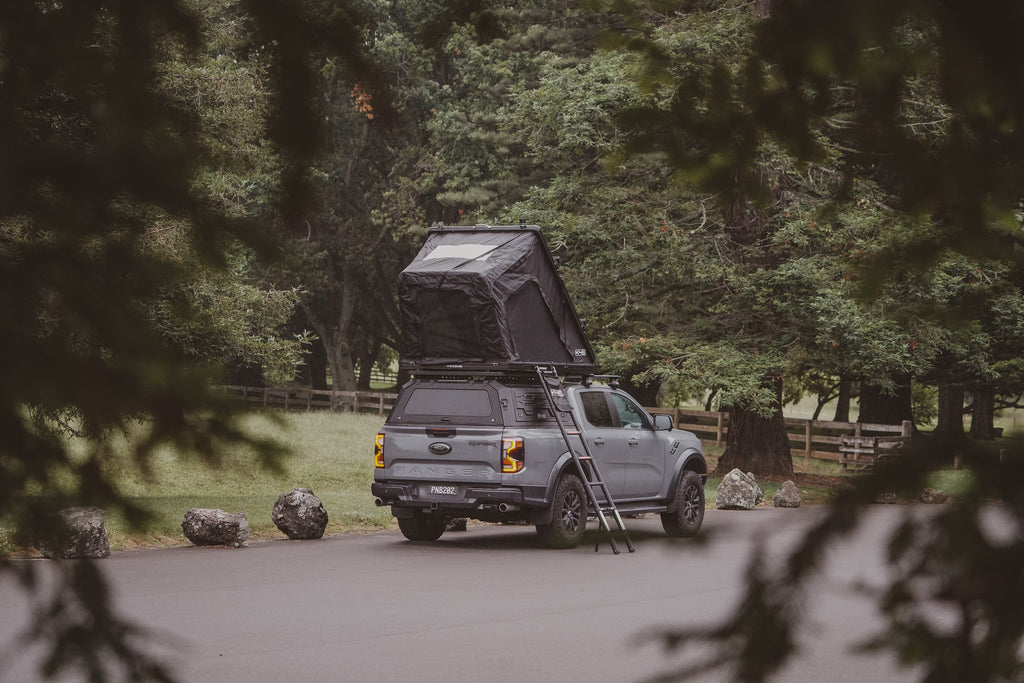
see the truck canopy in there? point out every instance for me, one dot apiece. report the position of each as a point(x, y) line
point(489, 298)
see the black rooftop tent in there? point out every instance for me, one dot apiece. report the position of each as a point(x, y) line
point(489, 298)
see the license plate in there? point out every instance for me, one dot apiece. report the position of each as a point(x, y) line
point(444, 490)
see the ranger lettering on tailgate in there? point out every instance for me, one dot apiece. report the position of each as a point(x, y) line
point(458, 471)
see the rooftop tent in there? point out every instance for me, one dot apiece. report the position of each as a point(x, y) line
point(487, 297)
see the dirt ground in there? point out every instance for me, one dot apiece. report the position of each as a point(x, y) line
point(802, 480)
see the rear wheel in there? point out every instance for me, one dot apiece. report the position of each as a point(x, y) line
point(686, 521)
point(422, 527)
point(568, 515)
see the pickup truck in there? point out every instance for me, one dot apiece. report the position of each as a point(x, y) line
point(489, 448)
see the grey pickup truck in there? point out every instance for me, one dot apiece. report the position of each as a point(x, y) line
point(490, 448)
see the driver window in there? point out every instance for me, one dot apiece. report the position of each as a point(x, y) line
point(595, 407)
point(631, 416)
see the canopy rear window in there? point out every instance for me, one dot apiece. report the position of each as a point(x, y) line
point(466, 405)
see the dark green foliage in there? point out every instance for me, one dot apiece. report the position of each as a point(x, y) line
point(121, 203)
point(901, 263)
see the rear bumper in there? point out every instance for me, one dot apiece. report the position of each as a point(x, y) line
point(417, 495)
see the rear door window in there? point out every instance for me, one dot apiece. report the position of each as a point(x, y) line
point(595, 407)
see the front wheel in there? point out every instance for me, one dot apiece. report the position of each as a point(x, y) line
point(686, 521)
point(568, 515)
point(422, 527)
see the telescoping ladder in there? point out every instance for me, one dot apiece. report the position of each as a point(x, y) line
point(597, 490)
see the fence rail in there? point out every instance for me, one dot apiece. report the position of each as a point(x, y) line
point(315, 399)
point(853, 444)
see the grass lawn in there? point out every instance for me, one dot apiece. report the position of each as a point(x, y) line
point(332, 455)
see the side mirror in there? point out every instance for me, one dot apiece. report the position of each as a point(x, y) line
point(662, 423)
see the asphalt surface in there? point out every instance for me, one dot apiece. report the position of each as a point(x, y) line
point(487, 604)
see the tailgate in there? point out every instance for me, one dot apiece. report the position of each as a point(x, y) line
point(453, 455)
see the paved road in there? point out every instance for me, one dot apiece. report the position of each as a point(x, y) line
point(486, 604)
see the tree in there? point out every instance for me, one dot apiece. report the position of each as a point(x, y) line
point(100, 153)
point(956, 184)
point(372, 180)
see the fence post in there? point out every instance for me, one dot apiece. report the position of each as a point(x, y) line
point(718, 431)
point(908, 428)
point(807, 442)
point(380, 404)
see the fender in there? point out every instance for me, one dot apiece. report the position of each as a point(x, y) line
point(562, 464)
point(692, 460)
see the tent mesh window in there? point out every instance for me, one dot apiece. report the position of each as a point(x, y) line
point(448, 326)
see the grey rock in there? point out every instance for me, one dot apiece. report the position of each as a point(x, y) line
point(788, 496)
point(739, 491)
point(457, 524)
point(75, 533)
point(300, 515)
point(934, 496)
point(887, 498)
point(204, 526)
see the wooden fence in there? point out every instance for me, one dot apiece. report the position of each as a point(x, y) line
point(855, 445)
point(852, 444)
point(315, 399)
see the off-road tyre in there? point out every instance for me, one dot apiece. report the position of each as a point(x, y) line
point(688, 516)
point(568, 515)
point(422, 527)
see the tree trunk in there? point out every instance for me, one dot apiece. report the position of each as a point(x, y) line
point(983, 413)
point(314, 370)
point(951, 412)
point(338, 353)
point(763, 8)
point(757, 444)
point(711, 399)
point(877, 407)
point(843, 402)
point(339, 357)
point(366, 362)
point(331, 314)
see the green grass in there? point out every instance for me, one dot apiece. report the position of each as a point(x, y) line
point(332, 454)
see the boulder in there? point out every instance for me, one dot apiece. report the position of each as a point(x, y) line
point(934, 496)
point(300, 515)
point(457, 524)
point(75, 533)
point(203, 526)
point(739, 491)
point(788, 496)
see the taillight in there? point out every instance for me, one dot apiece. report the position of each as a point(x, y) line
point(378, 451)
point(513, 455)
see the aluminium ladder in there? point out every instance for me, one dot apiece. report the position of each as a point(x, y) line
point(587, 465)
